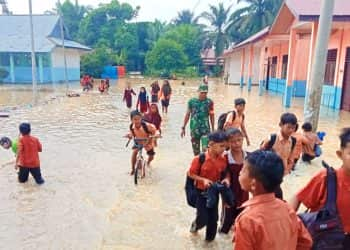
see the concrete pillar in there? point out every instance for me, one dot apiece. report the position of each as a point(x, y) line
point(262, 70)
point(287, 98)
point(250, 67)
point(241, 83)
point(12, 68)
point(41, 69)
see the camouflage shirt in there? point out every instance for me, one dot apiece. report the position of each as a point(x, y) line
point(200, 111)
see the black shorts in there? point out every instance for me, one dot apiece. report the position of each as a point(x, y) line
point(165, 102)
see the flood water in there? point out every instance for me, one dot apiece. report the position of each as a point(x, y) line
point(89, 201)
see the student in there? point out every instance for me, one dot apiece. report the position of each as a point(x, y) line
point(310, 140)
point(206, 174)
point(27, 159)
point(142, 101)
point(165, 94)
point(102, 87)
point(267, 223)
point(313, 195)
point(155, 88)
point(153, 116)
point(235, 157)
point(7, 143)
point(235, 119)
point(141, 130)
point(128, 92)
point(283, 144)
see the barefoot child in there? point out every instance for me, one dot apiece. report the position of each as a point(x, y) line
point(142, 101)
point(267, 223)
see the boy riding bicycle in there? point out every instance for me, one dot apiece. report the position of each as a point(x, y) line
point(140, 130)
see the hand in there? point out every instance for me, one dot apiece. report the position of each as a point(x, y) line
point(129, 136)
point(248, 142)
point(226, 182)
point(207, 183)
point(183, 133)
point(16, 167)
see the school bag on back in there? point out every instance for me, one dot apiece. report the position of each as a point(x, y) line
point(190, 188)
point(222, 119)
point(325, 225)
point(272, 141)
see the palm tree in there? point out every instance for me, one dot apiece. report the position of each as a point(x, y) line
point(218, 17)
point(185, 17)
point(253, 18)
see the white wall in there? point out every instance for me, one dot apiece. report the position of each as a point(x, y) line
point(233, 64)
point(72, 56)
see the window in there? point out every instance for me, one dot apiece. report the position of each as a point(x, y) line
point(273, 70)
point(22, 59)
point(284, 67)
point(330, 67)
point(5, 59)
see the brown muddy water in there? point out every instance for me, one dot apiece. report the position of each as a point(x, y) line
point(88, 200)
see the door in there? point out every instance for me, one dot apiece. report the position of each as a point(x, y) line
point(346, 83)
point(268, 73)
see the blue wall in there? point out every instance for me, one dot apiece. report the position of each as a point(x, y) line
point(277, 85)
point(331, 96)
point(58, 74)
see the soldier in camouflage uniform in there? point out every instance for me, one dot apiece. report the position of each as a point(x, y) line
point(199, 111)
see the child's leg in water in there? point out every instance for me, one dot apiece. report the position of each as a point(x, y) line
point(133, 161)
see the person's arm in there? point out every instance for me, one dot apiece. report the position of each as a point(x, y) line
point(304, 240)
point(40, 147)
point(264, 145)
point(124, 98)
point(19, 153)
point(186, 119)
point(294, 203)
point(228, 121)
point(211, 115)
point(244, 131)
point(133, 92)
point(245, 234)
point(137, 103)
point(227, 180)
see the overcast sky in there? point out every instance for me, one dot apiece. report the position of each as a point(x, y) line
point(164, 10)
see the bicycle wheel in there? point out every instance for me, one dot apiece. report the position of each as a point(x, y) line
point(138, 167)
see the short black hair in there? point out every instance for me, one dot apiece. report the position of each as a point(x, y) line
point(5, 140)
point(217, 136)
point(267, 168)
point(288, 118)
point(233, 131)
point(239, 101)
point(307, 126)
point(344, 137)
point(24, 128)
point(135, 113)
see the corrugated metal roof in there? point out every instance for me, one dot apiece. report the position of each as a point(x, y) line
point(309, 8)
point(15, 33)
point(68, 44)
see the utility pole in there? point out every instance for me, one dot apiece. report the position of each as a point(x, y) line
point(34, 84)
point(312, 109)
point(64, 50)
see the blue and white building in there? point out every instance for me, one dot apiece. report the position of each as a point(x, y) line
point(15, 49)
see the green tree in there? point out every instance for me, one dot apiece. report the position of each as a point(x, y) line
point(72, 15)
point(190, 38)
point(257, 15)
point(94, 62)
point(218, 17)
point(185, 17)
point(166, 55)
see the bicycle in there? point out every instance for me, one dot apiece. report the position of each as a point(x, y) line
point(140, 165)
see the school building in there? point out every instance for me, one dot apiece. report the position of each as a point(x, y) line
point(15, 49)
point(279, 58)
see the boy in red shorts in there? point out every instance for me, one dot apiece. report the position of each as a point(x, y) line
point(28, 155)
point(313, 195)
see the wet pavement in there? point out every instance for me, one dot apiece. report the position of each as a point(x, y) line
point(89, 201)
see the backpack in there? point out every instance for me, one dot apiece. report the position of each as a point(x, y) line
point(166, 90)
point(325, 226)
point(272, 141)
point(190, 188)
point(144, 126)
point(222, 119)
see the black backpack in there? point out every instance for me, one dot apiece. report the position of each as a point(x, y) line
point(144, 126)
point(272, 141)
point(190, 188)
point(222, 119)
point(325, 226)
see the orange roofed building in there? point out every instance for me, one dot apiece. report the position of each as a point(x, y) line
point(279, 58)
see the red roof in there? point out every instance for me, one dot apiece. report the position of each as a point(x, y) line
point(310, 9)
